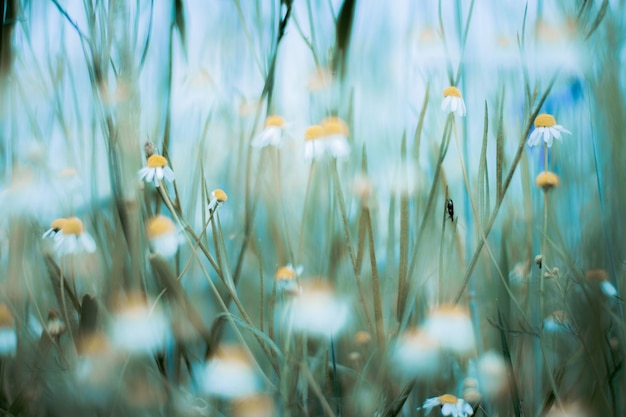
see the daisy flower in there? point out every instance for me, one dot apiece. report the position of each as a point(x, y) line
point(286, 279)
point(451, 328)
point(70, 236)
point(450, 406)
point(155, 170)
point(600, 277)
point(318, 310)
point(336, 134)
point(546, 128)
point(272, 134)
point(229, 373)
point(137, 327)
point(8, 337)
point(331, 137)
point(453, 102)
point(162, 235)
point(218, 197)
point(547, 180)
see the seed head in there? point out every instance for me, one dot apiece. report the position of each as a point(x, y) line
point(547, 180)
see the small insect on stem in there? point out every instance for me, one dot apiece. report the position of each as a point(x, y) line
point(450, 209)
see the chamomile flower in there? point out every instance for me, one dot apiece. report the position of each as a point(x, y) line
point(229, 373)
point(450, 326)
point(547, 180)
point(450, 406)
point(601, 278)
point(155, 170)
point(453, 102)
point(330, 137)
point(336, 134)
point(272, 134)
point(318, 310)
point(546, 129)
point(137, 327)
point(218, 197)
point(314, 146)
point(70, 237)
point(286, 279)
point(162, 235)
point(8, 337)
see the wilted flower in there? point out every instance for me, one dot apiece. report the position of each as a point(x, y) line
point(8, 337)
point(450, 406)
point(450, 326)
point(547, 180)
point(318, 310)
point(155, 170)
point(546, 128)
point(162, 235)
point(218, 197)
point(229, 373)
point(453, 102)
point(272, 134)
point(137, 328)
point(70, 237)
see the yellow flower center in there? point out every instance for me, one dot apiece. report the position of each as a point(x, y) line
point(335, 126)
point(452, 91)
point(6, 317)
point(447, 399)
point(274, 121)
point(547, 180)
point(220, 195)
point(159, 226)
point(72, 226)
point(545, 120)
point(58, 224)
point(313, 132)
point(285, 273)
point(156, 161)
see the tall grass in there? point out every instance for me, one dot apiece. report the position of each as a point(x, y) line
point(332, 242)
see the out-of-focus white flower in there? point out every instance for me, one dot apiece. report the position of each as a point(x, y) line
point(70, 237)
point(450, 326)
point(218, 197)
point(229, 373)
point(318, 310)
point(453, 102)
point(450, 406)
point(415, 354)
point(272, 134)
point(286, 279)
point(162, 235)
point(8, 337)
point(155, 170)
point(493, 374)
point(601, 278)
point(329, 138)
point(135, 327)
point(546, 129)
point(96, 367)
point(556, 322)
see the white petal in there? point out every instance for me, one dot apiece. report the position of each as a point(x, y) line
point(261, 140)
point(339, 148)
point(143, 172)
point(87, 242)
point(454, 102)
point(555, 133)
point(150, 175)
point(445, 106)
point(562, 129)
point(549, 141)
point(49, 233)
point(468, 409)
point(168, 173)
point(608, 289)
point(535, 137)
point(462, 110)
point(159, 173)
point(447, 409)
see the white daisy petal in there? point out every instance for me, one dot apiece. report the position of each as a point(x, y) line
point(546, 135)
point(447, 409)
point(445, 105)
point(534, 138)
point(462, 109)
point(549, 141)
point(150, 175)
point(168, 173)
point(555, 132)
point(143, 172)
point(454, 102)
point(87, 242)
point(159, 173)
